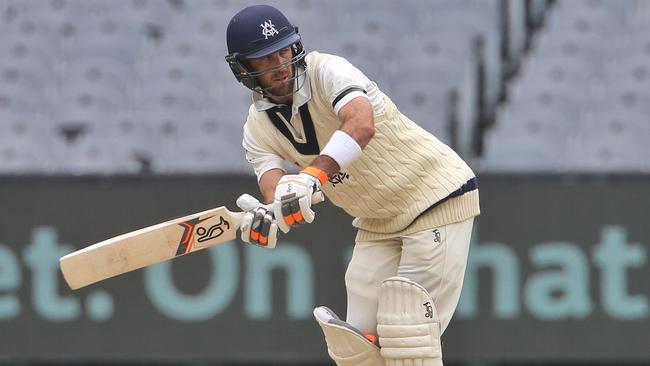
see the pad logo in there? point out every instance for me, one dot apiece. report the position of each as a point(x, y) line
point(268, 29)
point(429, 310)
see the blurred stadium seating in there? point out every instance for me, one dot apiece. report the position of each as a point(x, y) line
point(83, 67)
point(580, 101)
point(86, 66)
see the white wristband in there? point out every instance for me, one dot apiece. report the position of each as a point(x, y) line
point(342, 148)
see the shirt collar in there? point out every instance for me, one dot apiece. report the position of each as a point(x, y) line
point(300, 97)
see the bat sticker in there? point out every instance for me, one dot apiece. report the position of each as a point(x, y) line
point(213, 232)
point(185, 245)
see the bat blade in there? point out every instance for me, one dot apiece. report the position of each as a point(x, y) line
point(150, 245)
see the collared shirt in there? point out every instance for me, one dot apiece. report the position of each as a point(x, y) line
point(340, 81)
point(402, 172)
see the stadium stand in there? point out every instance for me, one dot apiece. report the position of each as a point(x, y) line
point(25, 144)
point(586, 81)
point(99, 63)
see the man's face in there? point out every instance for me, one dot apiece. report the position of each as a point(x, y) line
point(280, 79)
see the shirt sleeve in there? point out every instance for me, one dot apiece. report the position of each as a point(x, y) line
point(343, 82)
point(262, 158)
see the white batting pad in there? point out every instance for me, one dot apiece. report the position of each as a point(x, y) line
point(407, 324)
point(345, 344)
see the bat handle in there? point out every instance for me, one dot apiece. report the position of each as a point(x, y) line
point(247, 202)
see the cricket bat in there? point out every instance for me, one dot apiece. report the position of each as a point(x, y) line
point(150, 245)
point(157, 243)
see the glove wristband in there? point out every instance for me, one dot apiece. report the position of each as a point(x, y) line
point(316, 173)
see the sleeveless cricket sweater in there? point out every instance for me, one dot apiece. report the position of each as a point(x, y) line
point(405, 181)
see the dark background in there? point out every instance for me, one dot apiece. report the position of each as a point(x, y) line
point(521, 215)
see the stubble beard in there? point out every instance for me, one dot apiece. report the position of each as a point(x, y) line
point(283, 89)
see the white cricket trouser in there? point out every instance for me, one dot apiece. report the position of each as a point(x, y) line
point(435, 258)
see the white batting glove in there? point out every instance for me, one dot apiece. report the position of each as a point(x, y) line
point(258, 226)
point(293, 197)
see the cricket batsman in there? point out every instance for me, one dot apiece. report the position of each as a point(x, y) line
point(412, 197)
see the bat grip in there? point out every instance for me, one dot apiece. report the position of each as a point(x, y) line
point(247, 202)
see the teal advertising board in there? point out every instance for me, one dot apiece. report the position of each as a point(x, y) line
point(558, 273)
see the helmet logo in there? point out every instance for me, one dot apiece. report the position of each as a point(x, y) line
point(268, 29)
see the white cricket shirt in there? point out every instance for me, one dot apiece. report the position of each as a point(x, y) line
point(405, 180)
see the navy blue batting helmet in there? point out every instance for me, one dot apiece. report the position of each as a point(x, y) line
point(258, 31)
